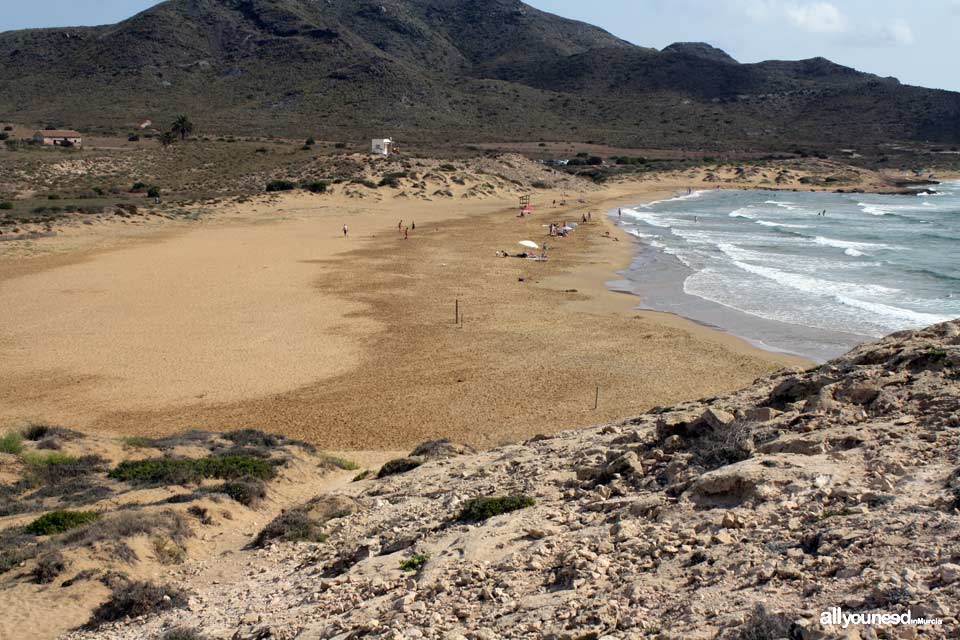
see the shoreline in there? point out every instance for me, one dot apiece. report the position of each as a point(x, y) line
point(664, 290)
point(393, 346)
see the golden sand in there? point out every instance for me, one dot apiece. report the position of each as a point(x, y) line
point(268, 317)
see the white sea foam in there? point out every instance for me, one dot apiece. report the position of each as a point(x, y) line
point(846, 244)
point(647, 218)
point(766, 223)
point(687, 196)
point(853, 252)
point(743, 212)
point(898, 315)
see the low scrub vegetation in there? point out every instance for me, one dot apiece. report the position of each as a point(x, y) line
point(137, 599)
point(280, 185)
point(60, 521)
point(247, 491)
point(339, 463)
point(169, 471)
point(480, 509)
point(720, 447)
point(290, 526)
point(49, 566)
point(414, 562)
point(11, 443)
point(399, 465)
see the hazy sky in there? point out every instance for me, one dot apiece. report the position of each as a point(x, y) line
point(913, 40)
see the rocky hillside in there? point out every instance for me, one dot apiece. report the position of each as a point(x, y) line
point(442, 71)
point(742, 517)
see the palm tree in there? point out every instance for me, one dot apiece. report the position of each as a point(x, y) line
point(182, 126)
point(167, 138)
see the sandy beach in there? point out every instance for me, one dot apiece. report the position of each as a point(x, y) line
point(266, 316)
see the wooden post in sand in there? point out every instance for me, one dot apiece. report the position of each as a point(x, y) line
point(596, 399)
point(456, 312)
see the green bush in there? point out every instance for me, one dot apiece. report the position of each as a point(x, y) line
point(139, 442)
point(6, 205)
point(60, 521)
point(340, 145)
point(315, 187)
point(55, 468)
point(153, 192)
point(11, 443)
point(414, 562)
point(165, 471)
point(280, 185)
point(479, 509)
point(339, 463)
point(309, 142)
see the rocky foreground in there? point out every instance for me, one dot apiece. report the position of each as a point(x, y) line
point(742, 516)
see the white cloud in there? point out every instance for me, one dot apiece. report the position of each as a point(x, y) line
point(819, 17)
point(826, 19)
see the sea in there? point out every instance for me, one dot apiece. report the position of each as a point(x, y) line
point(809, 273)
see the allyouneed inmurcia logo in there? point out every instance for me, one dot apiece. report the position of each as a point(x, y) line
point(835, 616)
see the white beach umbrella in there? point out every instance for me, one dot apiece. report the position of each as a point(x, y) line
point(530, 244)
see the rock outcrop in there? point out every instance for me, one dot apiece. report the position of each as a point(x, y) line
point(744, 515)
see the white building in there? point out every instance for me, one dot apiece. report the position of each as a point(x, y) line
point(381, 146)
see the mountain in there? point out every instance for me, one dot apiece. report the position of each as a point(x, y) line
point(442, 71)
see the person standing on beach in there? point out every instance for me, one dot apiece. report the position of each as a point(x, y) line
point(400, 226)
point(413, 225)
point(620, 214)
point(406, 234)
point(345, 231)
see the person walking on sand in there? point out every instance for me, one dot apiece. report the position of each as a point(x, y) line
point(620, 214)
point(400, 226)
point(345, 231)
point(413, 226)
point(406, 233)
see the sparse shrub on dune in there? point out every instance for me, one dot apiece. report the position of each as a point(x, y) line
point(49, 566)
point(167, 471)
point(247, 491)
point(339, 463)
point(11, 443)
point(60, 521)
point(55, 468)
point(398, 465)
point(137, 599)
point(290, 526)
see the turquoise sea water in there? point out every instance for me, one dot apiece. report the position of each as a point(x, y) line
point(764, 265)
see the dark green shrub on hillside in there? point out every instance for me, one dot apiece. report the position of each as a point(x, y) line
point(153, 192)
point(398, 465)
point(166, 471)
point(280, 185)
point(479, 509)
point(315, 186)
point(60, 521)
point(6, 206)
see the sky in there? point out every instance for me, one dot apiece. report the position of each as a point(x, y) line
point(912, 40)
